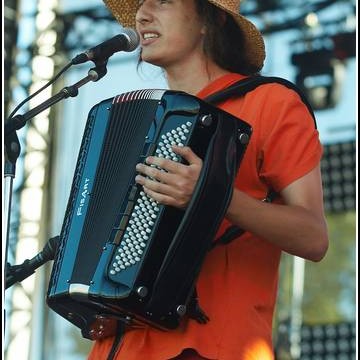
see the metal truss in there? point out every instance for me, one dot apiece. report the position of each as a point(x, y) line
point(81, 28)
point(28, 69)
point(10, 35)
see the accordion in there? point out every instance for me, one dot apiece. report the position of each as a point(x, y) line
point(122, 256)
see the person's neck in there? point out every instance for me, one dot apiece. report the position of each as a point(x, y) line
point(191, 80)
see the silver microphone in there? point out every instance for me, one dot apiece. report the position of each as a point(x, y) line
point(127, 41)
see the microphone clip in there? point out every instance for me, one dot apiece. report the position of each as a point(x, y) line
point(17, 273)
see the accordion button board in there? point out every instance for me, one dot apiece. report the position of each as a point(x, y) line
point(144, 218)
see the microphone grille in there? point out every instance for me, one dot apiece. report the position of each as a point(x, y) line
point(133, 37)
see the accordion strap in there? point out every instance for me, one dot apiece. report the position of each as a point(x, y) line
point(117, 340)
point(241, 87)
point(233, 231)
point(238, 89)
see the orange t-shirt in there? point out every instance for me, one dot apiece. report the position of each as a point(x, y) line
point(237, 285)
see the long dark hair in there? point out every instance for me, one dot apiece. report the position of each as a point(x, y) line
point(223, 41)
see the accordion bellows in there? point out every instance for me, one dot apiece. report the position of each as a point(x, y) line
point(122, 256)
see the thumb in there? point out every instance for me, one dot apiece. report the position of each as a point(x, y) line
point(186, 153)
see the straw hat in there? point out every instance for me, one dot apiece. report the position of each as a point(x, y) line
point(124, 11)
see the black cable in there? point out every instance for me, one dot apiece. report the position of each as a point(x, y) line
point(66, 67)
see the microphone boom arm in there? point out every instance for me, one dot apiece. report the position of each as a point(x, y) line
point(18, 121)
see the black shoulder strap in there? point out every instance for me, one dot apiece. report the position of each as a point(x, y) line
point(243, 86)
point(117, 340)
point(240, 88)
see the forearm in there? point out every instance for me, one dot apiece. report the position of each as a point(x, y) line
point(292, 228)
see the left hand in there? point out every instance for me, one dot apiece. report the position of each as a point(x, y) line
point(176, 184)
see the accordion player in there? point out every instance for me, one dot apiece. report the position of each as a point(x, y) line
point(122, 256)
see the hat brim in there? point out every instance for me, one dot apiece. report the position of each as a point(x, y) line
point(254, 43)
point(254, 46)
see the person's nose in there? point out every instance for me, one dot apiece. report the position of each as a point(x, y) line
point(144, 13)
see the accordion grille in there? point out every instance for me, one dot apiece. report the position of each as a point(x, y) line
point(126, 130)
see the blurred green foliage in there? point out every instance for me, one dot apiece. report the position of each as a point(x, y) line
point(330, 285)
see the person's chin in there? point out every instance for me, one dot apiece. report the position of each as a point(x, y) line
point(151, 59)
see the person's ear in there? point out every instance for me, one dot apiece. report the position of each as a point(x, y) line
point(203, 30)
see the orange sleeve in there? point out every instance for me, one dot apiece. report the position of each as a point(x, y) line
point(291, 146)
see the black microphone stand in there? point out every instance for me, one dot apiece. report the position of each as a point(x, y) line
point(12, 152)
